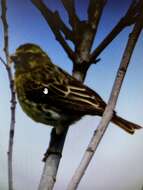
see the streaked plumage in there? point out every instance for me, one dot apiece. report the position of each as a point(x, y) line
point(51, 96)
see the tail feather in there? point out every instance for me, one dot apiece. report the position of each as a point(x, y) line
point(126, 125)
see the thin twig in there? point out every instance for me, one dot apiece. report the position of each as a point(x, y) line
point(56, 24)
point(70, 8)
point(13, 95)
point(128, 19)
point(133, 37)
point(95, 9)
point(3, 62)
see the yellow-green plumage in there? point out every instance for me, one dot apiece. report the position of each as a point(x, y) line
point(51, 96)
point(28, 107)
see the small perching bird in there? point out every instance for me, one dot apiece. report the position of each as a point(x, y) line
point(51, 96)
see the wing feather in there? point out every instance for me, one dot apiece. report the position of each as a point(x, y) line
point(69, 95)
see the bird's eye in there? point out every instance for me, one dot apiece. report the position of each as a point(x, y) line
point(45, 91)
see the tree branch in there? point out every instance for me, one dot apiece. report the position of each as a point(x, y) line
point(95, 9)
point(89, 28)
point(12, 90)
point(129, 19)
point(86, 38)
point(56, 25)
point(52, 159)
point(133, 37)
point(3, 62)
point(82, 41)
point(61, 26)
point(70, 8)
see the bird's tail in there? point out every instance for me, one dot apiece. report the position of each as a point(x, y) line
point(124, 124)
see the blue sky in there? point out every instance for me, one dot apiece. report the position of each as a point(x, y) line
point(117, 163)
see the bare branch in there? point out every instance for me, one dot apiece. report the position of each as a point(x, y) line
point(82, 41)
point(56, 24)
point(59, 24)
point(52, 159)
point(94, 12)
point(85, 39)
point(111, 104)
point(3, 62)
point(70, 7)
point(5, 27)
point(127, 20)
point(13, 95)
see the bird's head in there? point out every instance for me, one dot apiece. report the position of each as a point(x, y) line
point(28, 56)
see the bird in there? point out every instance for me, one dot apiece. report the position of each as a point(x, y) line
point(51, 96)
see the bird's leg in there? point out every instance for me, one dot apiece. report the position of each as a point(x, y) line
point(56, 143)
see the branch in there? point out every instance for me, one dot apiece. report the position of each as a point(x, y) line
point(86, 37)
point(56, 25)
point(3, 62)
point(5, 28)
point(84, 40)
point(52, 159)
point(107, 115)
point(59, 24)
point(70, 8)
point(12, 90)
point(129, 19)
point(95, 9)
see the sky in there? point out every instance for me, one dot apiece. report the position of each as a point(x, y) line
point(117, 164)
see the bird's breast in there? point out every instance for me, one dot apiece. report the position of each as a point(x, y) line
point(38, 112)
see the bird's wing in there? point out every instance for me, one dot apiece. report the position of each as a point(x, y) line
point(70, 96)
point(74, 91)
